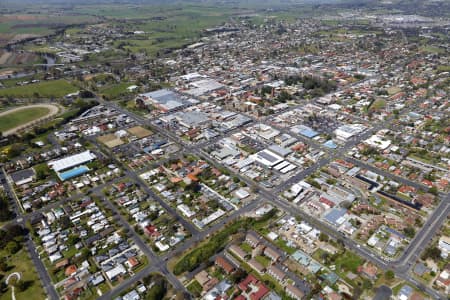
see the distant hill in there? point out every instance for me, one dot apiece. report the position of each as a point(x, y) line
point(159, 2)
point(421, 7)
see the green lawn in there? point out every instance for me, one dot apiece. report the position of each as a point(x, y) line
point(20, 262)
point(348, 262)
point(393, 90)
point(195, 288)
point(283, 246)
point(443, 68)
point(263, 260)
point(41, 23)
point(432, 49)
point(116, 90)
point(45, 89)
point(246, 247)
point(378, 104)
point(22, 116)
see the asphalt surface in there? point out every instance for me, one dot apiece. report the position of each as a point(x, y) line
point(383, 293)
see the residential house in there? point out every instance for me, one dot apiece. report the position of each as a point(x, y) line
point(252, 239)
point(443, 280)
point(273, 254)
point(236, 250)
point(294, 292)
point(276, 273)
point(252, 289)
point(255, 265)
point(223, 263)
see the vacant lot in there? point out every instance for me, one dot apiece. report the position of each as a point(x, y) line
point(45, 89)
point(116, 90)
point(110, 140)
point(139, 132)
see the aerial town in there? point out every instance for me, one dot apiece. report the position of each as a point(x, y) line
point(225, 150)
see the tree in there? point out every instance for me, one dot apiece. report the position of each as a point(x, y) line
point(21, 285)
point(325, 256)
point(12, 247)
point(14, 151)
point(42, 171)
point(367, 285)
point(158, 291)
point(433, 190)
point(432, 252)
point(409, 231)
point(3, 265)
point(389, 275)
point(64, 222)
point(5, 213)
point(323, 237)
point(238, 276)
point(72, 239)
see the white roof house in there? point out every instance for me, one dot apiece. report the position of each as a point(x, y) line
point(114, 272)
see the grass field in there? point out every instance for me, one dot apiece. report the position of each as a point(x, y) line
point(348, 262)
point(432, 49)
point(173, 31)
point(114, 91)
point(38, 24)
point(22, 116)
point(20, 262)
point(393, 90)
point(443, 68)
point(45, 89)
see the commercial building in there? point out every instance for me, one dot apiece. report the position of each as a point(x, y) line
point(72, 161)
point(164, 100)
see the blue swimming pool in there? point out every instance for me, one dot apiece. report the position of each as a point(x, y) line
point(73, 172)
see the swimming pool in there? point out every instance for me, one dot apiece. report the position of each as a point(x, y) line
point(73, 172)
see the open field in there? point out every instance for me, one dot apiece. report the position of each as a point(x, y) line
point(20, 262)
point(45, 89)
point(17, 58)
point(139, 132)
point(115, 90)
point(432, 49)
point(173, 28)
point(12, 119)
point(110, 140)
point(16, 27)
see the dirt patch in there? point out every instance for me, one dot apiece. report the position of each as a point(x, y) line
point(11, 18)
point(139, 132)
point(110, 140)
point(5, 57)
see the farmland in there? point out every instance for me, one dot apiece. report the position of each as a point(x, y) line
point(46, 89)
point(22, 26)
